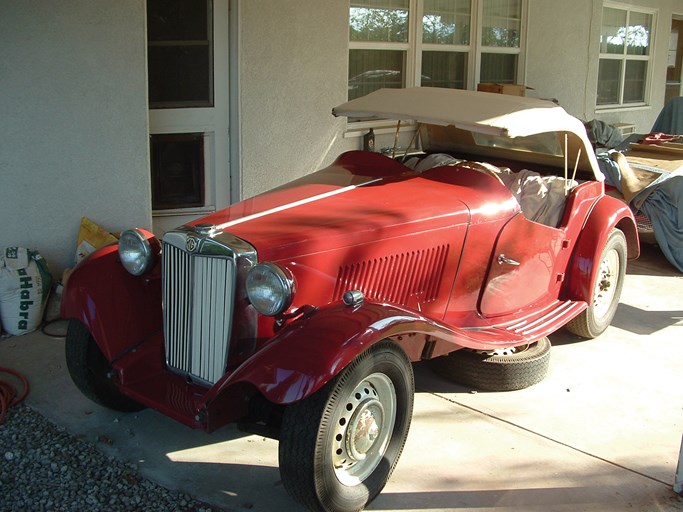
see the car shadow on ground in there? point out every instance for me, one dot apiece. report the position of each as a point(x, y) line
point(651, 262)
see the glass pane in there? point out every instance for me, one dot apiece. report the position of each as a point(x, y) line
point(638, 40)
point(444, 69)
point(177, 20)
point(179, 53)
point(613, 30)
point(446, 22)
point(177, 163)
point(502, 23)
point(179, 76)
point(498, 68)
point(370, 70)
point(379, 20)
point(609, 74)
point(634, 81)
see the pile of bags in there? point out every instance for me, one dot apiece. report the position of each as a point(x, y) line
point(25, 283)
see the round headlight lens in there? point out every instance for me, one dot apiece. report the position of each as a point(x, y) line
point(269, 288)
point(135, 252)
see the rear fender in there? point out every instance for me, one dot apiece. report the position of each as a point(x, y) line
point(118, 309)
point(607, 214)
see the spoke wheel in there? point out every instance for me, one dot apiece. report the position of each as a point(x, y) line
point(609, 281)
point(339, 446)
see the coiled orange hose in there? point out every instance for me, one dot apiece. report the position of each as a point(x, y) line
point(9, 396)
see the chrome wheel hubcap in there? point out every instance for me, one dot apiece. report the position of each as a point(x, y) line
point(362, 429)
point(606, 284)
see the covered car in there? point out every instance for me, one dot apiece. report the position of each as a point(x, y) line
point(297, 313)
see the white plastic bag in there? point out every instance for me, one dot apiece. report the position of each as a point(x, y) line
point(25, 282)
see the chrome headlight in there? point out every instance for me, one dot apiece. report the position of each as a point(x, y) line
point(269, 288)
point(135, 252)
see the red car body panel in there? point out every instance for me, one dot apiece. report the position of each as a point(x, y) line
point(427, 250)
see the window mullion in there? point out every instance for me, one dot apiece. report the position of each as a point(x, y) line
point(364, 45)
point(414, 53)
point(474, 65)
point(500, 49)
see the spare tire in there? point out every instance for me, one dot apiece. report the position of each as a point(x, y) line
point(498, 370)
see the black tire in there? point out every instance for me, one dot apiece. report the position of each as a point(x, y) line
point(593, 321)
point(509, 370)
point(89, 370)
point(317, 432)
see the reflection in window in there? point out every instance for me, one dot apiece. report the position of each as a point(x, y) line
point(609, 78)
point(446, 22)
point(444, 69)
point(502, 23)
point(499, 68)
point(370, 70)
point(379, 20)
point(391, 47)
point(625, 39)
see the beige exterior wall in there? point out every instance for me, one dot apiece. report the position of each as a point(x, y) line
point(74, 108)
point(563, 51)
point(74, 122)
point(293, 70)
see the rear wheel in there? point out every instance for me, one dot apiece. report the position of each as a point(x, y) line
point(607, 289)
point(505, 369)
point(339, 446)
point(90, 370)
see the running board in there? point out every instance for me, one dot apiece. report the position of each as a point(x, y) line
point(529, 328)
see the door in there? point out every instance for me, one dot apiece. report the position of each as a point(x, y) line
point(188, 109)
point(522, 268)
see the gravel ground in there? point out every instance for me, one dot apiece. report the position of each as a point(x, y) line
point(45, 469)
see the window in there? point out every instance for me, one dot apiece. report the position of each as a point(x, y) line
point(433, 43)
point(177, 170)
point(179, 49)
point(624, 69)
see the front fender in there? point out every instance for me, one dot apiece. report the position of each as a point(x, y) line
point(311, 351)
point(118, 309)
point(607, 214)
point(308, 353)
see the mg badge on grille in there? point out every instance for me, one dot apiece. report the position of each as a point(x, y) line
point(191, 244)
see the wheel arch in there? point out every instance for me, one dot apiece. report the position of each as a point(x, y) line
point(310, 352)
point(99, 293)
point(609, 213)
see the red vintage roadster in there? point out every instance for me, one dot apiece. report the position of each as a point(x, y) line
point(297, 313)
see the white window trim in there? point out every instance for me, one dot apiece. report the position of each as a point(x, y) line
point(650, 58)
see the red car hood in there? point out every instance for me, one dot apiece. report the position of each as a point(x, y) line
point(360, 198)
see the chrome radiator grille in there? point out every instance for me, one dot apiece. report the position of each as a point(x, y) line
point(198, 293)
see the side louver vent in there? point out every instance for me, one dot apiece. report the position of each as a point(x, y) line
point(397, 277)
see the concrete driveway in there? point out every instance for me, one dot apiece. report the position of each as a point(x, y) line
point(601, 433)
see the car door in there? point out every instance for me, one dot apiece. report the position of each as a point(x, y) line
point(522, 270)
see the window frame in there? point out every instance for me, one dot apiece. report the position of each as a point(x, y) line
point(625, 57)
point(414, 47)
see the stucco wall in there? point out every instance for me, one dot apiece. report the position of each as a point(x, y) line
point(74, 121)
point(293, 70)
point(563, 52)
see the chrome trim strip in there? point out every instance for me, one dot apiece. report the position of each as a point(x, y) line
point(294, 204)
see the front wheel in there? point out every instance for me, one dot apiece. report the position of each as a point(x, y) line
point(339, 446)
point(90, 370)
point(607, 289)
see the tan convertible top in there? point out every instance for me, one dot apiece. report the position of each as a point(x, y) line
point(477, 112)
